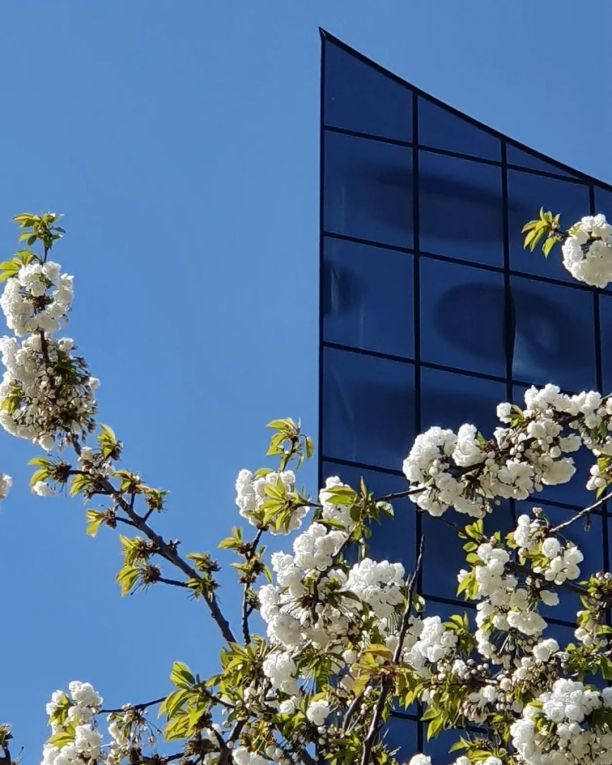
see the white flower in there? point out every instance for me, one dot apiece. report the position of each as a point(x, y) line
point(43, 489)
point(317, 712)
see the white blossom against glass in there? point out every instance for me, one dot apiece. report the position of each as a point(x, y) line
point(470, 473)
point(561, 729)
point(587, 251)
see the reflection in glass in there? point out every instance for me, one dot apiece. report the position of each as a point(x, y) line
point(460, 209)
point(441, 128)
point(550, 320)
point(528, 192)
point(449, 399)
point(367, 297)
point(368, 189)
point(462, 317)
point(368, 408)
point(360, 97)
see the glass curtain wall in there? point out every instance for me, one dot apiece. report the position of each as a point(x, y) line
point(432, 312)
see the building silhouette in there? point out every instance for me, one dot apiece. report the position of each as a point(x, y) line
point(432, 312)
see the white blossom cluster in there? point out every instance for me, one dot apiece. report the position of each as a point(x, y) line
point(37, 298)
point(251, 494)
point(77, 709)
point(467, 472)
point(559, 730)
point(46, 393)
point(587, 251)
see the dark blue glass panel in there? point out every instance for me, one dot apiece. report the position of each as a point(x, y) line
point(368, 189)
point(438, 747)
point(368, 408)
point(574, 492)
point(368, 297)
point(606, 340)
point(360, 97)
point(516, 156)
point(394, 539)
point(603, 204)
point(441, 128)
point(554, 339)
point(449, 399)
point(401, 734)
point(528, 192)
point(462, 317)
point(589, 538)
point(561, 633)
point(603, 201)
point(460, 208)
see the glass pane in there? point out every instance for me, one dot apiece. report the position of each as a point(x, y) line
point(441, 128)
point(603, 201)
point(438, 748)
point(554, 336)
point(368, 189)
point(462, 317)
point(360, 97)
point(449, 399)
point(368, 297)
point(603, 204)
point(394, 539)
point(574, 492)
point(368, 408)
point(460, 208)
point(589, 538)
point(516, 156)
point(605, 303)
point(401, 734)
point(526, 194)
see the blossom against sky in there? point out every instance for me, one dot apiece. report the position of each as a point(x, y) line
point(181, 141)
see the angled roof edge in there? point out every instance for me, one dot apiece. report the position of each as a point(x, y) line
point(327, 37)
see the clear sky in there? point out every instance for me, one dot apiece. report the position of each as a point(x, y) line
point(180, 139)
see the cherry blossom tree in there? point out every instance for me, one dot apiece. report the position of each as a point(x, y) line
point(345, 638)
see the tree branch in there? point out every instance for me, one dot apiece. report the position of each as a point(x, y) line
point(141, 706)
point(168, 551)
point(246, 633)
point(376, 721)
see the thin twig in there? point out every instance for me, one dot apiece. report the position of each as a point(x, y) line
point(585, 511)
point(376, 721)
point(143, 705)
point(246, 612)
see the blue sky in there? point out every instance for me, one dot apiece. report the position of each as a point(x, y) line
point(180, 139)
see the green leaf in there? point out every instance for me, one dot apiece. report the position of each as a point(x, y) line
point(173, 702)
point(128, 578)
point(181, 675)
point(95, 519)
point(62, 737)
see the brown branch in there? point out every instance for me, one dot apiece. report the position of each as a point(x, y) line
point(168, 551)
point(246, 632)
point(141, 706)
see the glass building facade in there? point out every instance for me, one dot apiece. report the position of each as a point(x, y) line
point(432, 312)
